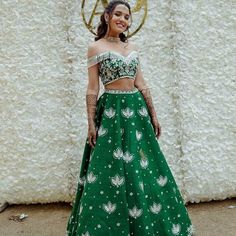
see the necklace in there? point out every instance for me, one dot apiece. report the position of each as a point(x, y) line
point(112, 39)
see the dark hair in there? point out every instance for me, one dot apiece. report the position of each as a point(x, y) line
point(102, 27)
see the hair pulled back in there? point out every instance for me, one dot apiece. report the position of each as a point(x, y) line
point(102, 27)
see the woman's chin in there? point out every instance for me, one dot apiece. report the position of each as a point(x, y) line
point(118, 30)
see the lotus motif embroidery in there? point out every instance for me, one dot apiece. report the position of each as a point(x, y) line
point(176, 229)
point(143, 112)
point(102, 131)
point(117, 180)
point(118, 153)
point(155, 208)
point(91, 177)
point(144, 163)
point(138, 135)
point(110, 113)
point(128, 157)
point(86, 234)
point(162, 180)
point(127, 112)
point(109, 207)
point(135, 212)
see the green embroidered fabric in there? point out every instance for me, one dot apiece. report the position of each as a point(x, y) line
point(114, 66)
point(125, 186)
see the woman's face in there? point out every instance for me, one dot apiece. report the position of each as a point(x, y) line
point(120, 19)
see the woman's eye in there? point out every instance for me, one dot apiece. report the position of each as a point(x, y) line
point(119, 14)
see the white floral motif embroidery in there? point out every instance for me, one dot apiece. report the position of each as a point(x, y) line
point(162, 180)
point(128, 157)
point(143, 112)
point(91, 177)
point(102, 131)
point(118, 153)
point(176, 229)
point(86, 234)
point(155, 208)
point(138, 135)
point(117, 180)
point(127, 112)
point(135, 212)
point(110, 113)
point(144, 163)
point(109, 207)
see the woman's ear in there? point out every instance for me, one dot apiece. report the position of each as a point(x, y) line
point(106, 17)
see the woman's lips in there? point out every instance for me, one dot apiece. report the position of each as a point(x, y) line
point(120, 25)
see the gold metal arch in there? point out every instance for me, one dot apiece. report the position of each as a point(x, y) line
point(89, 24)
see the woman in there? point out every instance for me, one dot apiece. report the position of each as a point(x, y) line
point(125, 185)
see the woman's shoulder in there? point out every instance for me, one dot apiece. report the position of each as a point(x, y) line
point(96, 48)
point(93, 49)
point(133, 46)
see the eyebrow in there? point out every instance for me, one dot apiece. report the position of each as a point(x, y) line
point(121, 12)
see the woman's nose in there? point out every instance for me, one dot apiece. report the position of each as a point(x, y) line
point(122, 18)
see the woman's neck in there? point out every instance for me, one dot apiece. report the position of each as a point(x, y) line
point(112, 38)
point(112, 35)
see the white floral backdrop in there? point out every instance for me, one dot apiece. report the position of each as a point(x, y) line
point(188, 61)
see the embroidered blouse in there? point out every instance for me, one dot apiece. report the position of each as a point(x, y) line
point(114, 66)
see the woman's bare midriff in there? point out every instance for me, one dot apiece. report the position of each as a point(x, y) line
point(122, 84)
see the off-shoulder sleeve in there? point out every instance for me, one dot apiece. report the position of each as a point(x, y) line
point(93, 60)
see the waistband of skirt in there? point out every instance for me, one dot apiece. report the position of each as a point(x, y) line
point(121, 91)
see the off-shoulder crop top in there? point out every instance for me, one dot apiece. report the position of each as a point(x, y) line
point(114, 66)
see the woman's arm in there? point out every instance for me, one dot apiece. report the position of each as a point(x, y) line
point(91, 96)
point(143, 87)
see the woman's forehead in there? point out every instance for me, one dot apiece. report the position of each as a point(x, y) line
point(122, 8)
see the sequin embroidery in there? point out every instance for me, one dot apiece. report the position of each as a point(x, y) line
point(114, 66)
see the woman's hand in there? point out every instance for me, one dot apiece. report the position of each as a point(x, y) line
point(92, 135)
point(157, 127)
point(148, 99)
point(91, 102)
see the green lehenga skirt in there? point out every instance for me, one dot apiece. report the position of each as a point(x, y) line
point(125, 186)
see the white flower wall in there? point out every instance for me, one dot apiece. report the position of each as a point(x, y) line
point(206, 77)
point(188, 62)
point(35, 101)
